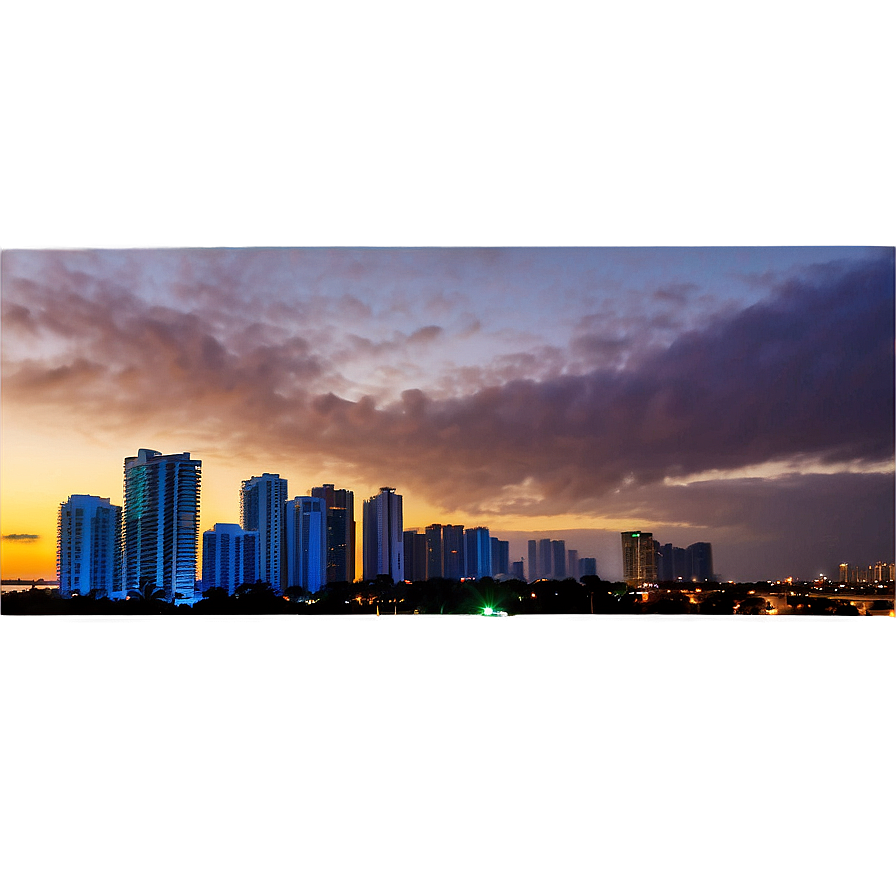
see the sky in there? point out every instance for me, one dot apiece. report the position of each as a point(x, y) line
point(561, 269)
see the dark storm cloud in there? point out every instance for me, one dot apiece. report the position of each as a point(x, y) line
point(21, 536)
point(808, 372)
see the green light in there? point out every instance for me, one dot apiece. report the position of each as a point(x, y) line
point(487, 611)
point(636, 534)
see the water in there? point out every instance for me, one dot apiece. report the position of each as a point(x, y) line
point(448, 755)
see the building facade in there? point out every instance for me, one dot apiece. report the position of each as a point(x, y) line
point(306, 543)
point(340, 504)
point(414, 556)
point(229, 557)
point(455, 562)
point(500, 557)
point(435, 552)
point(88, 546)
point(383, 536)
point(160, 522)
point(263, 510)
point(477, 553)
point(533, 559)
point(638, 558)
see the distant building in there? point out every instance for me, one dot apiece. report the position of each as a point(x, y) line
point(263, 510)
point(638, 558)
point(229, 557)
point(306, 543)
point(88, 546)
point(700, 562)
point(383, 536)
point(340, 505)
point(477, 553)
point(500, 556)
point(455, 564)
point(160, 522)
point(844, 573)
point(572, 563)
point(516, 570)
point(545, 558)
point(435, 552)
point(414, 556)
point(587, 566)
point(533, 560)
point(558, 559)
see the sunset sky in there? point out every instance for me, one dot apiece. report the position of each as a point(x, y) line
point(640, 275)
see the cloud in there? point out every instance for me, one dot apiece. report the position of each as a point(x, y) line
point(21, 536)
point(808, 372)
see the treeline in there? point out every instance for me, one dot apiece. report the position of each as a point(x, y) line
point(436, 596)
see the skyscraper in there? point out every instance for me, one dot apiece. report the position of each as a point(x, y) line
point(414, 556)
point(383, 538)
point(340, 532)
point(572, 564)
point(160, 521)
point(700, 557)
point(453, 540)
point(229, 557)
point(545, 558)
point(88, 546)
point(435, 552)
point(587, 566)
point(306, 543)
point(500, 557)
point(478, 553)
point(638, 558)
point(533, 560)
point(558, 559)
point(262, 510)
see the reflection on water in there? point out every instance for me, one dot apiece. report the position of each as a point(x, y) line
point(448, 755)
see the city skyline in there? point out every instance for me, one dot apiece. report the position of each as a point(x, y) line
point(567, 394)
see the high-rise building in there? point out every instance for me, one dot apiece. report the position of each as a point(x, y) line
point(340, 531)
point(160, 521)
point(844, 573)
point(700, 557)
point(533, 560)
point(453, 539)
point(414, 556)
point(587, 566)
point(306, 543)
point(500, 557)
point(477, 553)
point(545, 558)
point(572, 563)
point(383, 538)
point(435, 552)
point(229, 557)
point(558, 559)
point(638, 558)
point(88, 546)
point(262, 510)
point(516, 570)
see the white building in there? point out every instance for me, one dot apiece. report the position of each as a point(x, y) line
point(229, 557)
point(88, 546)
point(160, 522)
point(263, 510)
point(306, 543)
point(383, 536)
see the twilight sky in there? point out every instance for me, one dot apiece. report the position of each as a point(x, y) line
point(689, 327)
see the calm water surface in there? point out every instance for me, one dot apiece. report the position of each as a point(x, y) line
point(448, 755)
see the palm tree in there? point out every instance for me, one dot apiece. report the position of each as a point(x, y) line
point(146, 591)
